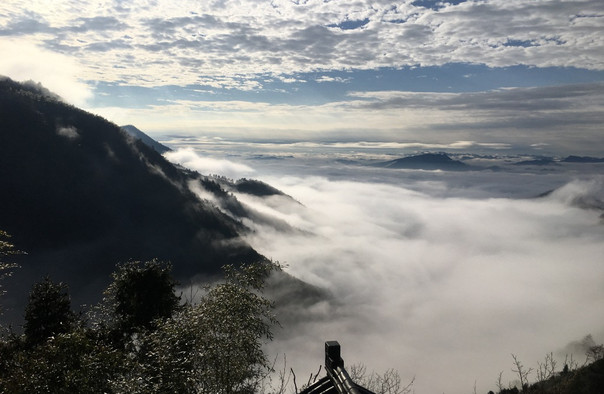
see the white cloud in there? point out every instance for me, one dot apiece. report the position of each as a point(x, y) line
point(225, 43)
point(205, 165)
point(22, 61)
point(575, 98)
point(68, 132)
point(568, 118)
point(235, 47)
point(325, 78)
point(443, 289)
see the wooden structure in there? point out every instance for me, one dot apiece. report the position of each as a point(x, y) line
point(337, 380)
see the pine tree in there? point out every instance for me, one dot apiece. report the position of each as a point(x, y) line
point(48, 312)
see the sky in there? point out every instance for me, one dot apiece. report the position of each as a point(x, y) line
point(524, 73)
point(439, 275)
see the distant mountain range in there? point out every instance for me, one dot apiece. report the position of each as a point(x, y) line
point(546, 161)
point(582, 159)
point(442, 161)
point(79, 195)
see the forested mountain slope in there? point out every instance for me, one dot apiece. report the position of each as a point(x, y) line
point(79, 195)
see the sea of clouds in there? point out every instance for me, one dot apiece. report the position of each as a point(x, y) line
point(440, 276)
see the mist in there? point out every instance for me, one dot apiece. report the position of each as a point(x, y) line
point(441, 276)
point(443, 289)
point(188, 158)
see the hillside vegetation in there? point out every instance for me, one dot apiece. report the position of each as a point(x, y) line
point(141, 338)
point(79, 195)
point(571, 378)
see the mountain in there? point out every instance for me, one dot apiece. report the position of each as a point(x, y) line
point(137, 134)
point(256, 188)
point(582, 159)
point(427, 161)
point(79, 195)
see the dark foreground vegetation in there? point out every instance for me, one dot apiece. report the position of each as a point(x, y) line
point(142, 338)
point(549, 378)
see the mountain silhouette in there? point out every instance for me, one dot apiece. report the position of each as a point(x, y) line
point(427, 161)
point(79, 195)
point(137, 134)
point(582, 159)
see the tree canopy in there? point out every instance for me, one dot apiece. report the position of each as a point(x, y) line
point(6, 268)
point(140, 294)
point(48, 312)
point(213, 346)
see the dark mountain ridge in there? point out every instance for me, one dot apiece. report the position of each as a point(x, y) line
point(582, 159)
point(79, 196)
point(137, 134)
point(426, 161)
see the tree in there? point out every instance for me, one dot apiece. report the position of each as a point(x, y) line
point(215, 346)
point(522, 373)
point(140, 295)
point(547, 369)
point(594, 353)
point(48, 312)
point(387, 383)
point(75, 362)
point(236, 319)
point(6, 249)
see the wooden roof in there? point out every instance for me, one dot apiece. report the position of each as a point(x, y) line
point(337, 380)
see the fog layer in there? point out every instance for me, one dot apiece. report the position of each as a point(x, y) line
point(443, 289)
point(438, 275)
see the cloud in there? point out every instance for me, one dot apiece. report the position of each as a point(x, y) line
point(550, 98)
point(23, 61)
point(223, 68)
point(579, 347)
point(205, 165)
point(243, 39)
point(68, 132)
point(98, 23)
point(326, 78)
point(567, 117)
point(377, 145)
point(26, 24)
point(443, 289)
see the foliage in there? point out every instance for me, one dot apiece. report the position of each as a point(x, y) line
point(216, 345)
point(48, 312)
point(572, 379)
point(595, 353)
point(6, 249)
point(75, 362)
point(256, 188)
point(140, 295)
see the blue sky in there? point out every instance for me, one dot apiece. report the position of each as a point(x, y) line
point(523, 72)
